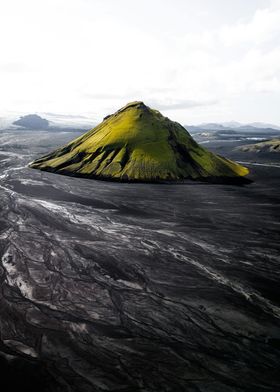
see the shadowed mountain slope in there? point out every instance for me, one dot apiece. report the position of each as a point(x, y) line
point(138, 144)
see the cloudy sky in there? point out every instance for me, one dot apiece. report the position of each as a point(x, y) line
point(195, 60)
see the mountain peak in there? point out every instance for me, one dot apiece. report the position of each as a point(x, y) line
point(137, 143)
point(136, 104)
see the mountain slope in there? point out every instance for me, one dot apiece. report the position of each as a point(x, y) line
point(138, 144)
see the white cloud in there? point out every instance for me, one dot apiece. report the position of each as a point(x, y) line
point(194, 59)
point(262, 28)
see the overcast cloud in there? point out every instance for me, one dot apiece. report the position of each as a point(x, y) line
point(196, 60)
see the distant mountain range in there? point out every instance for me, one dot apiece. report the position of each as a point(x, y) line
point(54, 122)
point(232, 125)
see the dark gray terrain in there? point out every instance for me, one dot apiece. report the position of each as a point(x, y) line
point(136, 287)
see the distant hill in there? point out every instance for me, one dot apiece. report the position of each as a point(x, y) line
point(32, 121)
point(49, 122)
point(271, 146)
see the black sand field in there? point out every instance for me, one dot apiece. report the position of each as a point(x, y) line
point(136, 287)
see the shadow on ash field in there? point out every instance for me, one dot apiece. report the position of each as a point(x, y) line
point(136, 287)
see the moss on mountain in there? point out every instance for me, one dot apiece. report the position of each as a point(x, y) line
point(138, 144)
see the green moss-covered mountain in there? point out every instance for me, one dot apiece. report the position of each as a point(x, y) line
point(138, 144)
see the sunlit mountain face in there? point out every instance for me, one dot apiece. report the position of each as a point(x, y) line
point(138, 144)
